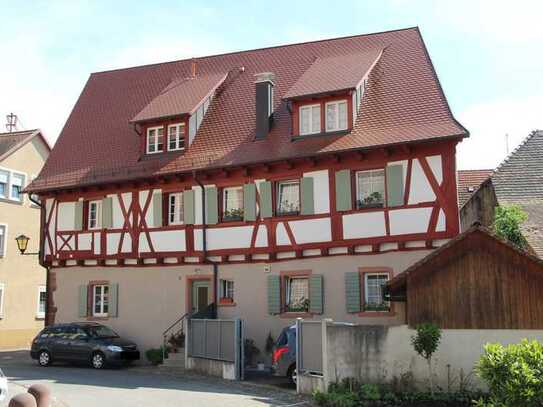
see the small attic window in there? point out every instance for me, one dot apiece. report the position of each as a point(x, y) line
point(176, 137)
point(310, 119)
point(336, 115)
point(155, 140)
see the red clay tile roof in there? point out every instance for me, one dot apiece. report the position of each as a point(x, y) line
point(180, 97)
point(468, 182)
point(337, 73)
point(403, 103)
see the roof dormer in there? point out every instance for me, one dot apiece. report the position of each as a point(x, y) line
point(170, 120)
point(327, 97)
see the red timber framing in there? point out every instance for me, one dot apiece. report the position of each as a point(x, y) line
point(134, 214)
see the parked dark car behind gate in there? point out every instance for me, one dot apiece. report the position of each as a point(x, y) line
point(84, 342)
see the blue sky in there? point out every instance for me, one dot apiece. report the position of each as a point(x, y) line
point(488, 54)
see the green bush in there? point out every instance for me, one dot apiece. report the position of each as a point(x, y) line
point(154, 355)
point(507, 222)
point(513, 373)
point(425, 342)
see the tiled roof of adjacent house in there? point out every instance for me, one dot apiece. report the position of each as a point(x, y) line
point(532, 229)
point(334, 74)
point(182, 96)
point(468, 182)
point(520, 176)
point(403, 103)
point(9, 142)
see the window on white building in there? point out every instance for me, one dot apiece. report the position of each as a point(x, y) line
point(155, 140)
point(310, 119)
point(227, 290)
point(176, 137)
point(4, 182)
point(370, 189)
point(17, 185)
point(175, 209)
point(95, 215)
point(297, 294)
point(42, 299)
point(100, 300)
point(288, 197)
point(232, 203)
point(336, 116)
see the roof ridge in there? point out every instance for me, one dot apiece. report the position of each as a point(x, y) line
point(256, 49)
point(14, 133)
point(516, 149)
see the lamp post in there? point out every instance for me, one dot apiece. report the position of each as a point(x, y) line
point(22, 245)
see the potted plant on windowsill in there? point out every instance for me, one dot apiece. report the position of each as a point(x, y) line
point(374, 200)
point(287, 208)
point(235, 214)
point(226, 300)
point(300, 306)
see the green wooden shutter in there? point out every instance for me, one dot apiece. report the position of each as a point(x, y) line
point(352, 291)
point(107, 213)
point(188, 207)
point(249, 202)
point(83, 311)
point(212, 210)
point(274, 294)
point(78, 215)
point(394, 175)
point(308, 198)
point(157, 209)
point(316, 294)
point(113, 309)
point(266, 210)
point(344, 200)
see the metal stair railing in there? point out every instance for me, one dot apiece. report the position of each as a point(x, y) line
point(175, 329)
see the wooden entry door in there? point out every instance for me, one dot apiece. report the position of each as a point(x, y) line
point(201, 295)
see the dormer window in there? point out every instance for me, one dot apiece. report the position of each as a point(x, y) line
point(310, 119)
point(155, 140)
point(176, 137)
point(336, 116)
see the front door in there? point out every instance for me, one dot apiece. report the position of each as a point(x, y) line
point(201, 295)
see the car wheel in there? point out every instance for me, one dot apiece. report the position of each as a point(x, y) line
point(292, 374)
point(44, 358)
point(98, 360)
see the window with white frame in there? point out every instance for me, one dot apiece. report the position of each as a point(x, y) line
point(95, 215)
point(100, 300)
point(42, 300)
point(310, 119)
point(232, 203)
point(176, 137)
point(370, 189)
point(336, 115)
point(227, 290)
point(3, 238)
point(373, 292)
point(155, 140)
point(297, 294)
point(175, 209)
point(288, 197)
point(17, 184)
point(4, 183)
point(2, 295)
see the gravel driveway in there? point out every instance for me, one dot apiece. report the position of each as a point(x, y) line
point(138, 386)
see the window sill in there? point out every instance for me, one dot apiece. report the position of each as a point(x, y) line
point(11, 201)
point(223, 302)
point(40, 317)
point(96, 318)
point(295, 314)
point(376, 314)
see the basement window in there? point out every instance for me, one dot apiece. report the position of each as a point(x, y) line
point(155, 140)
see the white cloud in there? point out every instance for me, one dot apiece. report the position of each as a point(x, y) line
point(488, 124)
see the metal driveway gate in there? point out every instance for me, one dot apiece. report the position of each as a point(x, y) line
point(218, 339)
point(309, 347)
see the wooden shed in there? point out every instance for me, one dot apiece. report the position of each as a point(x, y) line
point(475, 281)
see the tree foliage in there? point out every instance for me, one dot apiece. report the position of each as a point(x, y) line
point(425, 342)
point(507, 222)
point(513, 373)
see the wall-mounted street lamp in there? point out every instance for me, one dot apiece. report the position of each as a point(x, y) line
point(22, 244)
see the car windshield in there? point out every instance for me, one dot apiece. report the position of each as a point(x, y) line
point(100, 331)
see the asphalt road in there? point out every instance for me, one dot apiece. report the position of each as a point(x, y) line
point(77, 386)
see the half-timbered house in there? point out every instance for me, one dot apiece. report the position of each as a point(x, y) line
point(266, 184)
